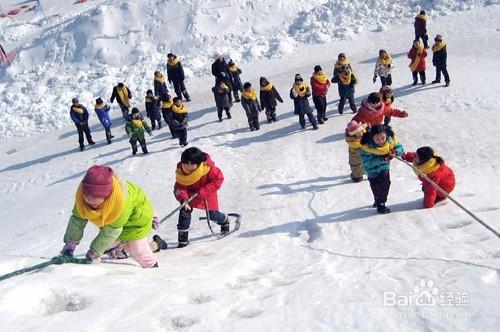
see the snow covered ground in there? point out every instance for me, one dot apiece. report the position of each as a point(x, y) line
point(311, 255)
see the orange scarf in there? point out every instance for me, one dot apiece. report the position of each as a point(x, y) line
point(183, 177)
point(300, 88)
point(108, 212)
point(414, 62)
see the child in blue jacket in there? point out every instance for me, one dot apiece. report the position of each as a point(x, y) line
point(102, 110)
point(378, 146)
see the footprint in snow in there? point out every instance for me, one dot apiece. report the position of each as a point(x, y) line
point(487, 209)
point(65, 301)
point(200, 299)
point(245, 313)
point(182, 322)
point(458, 225)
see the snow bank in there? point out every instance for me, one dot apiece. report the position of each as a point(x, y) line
point(83, 50)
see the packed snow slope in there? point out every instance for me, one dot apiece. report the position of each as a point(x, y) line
point(88, 47)
point(311, 255)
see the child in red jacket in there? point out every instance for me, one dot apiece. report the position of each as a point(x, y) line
point(320, 85)
point(417, 65)
point(432, 165)
point(197, 173)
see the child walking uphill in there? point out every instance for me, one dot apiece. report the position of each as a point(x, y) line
point(353, 134)
point(421, 28)
point(152, 109)
point(373, 111)
point(383, 68)
point(300, 94)
point(320, 84)
point(339, 64)
point(387, 98)
point(80, 117)
point(268, 97)
point(102, 110)
point(196, 173)
point(251, 106)
point(179, 120)
point(166, 109)
point(417, 65)
point(379, 145)
point(121, 211)
point(122, 95)
point(433, 166)
point(175, 73)
point(235, 79)
point(221, 97)
point(439, 57)
point(346, 82)
point(135, 130)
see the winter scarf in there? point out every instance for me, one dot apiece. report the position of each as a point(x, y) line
point(233, 68)
point(167, 104)
point(222, 87)
point(428, 167)
point(385, 61)
point(173, 62)
point(438, 46)
point(345, 78)
point(110, 210)
point(100, 106)
point(148, 99)
point(179, 109)
point(249, 95)
point(298, 86)
point(414, 62)
point(382, 150)
point(122, 92)
point(77, 109)
point(185, 178)
point(267, 87)
point(339, 63)
point(320, 77)
point(137, 123)
point(422, 17)
point(370, 110)
point(160, 79)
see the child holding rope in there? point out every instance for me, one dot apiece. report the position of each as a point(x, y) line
point(433, 166)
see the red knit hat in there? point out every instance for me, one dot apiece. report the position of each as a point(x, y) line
point(98, 182)
point(353, 127)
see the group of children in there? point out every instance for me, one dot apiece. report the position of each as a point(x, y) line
point(110, 203)
point(418, 53)
point(372, 144)
point(157, 104)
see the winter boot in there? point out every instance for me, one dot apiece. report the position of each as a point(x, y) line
point(158, 244)
point(224, 228)
point(186, 95)
point(182, 238)
point(82, 147)
point(236, 96)
point(436, 81)
point(356, 179)
point(382, 209)
point(108, 136)
point(447, 84)
point(134, 149)
point(144, 148)
point(228, 113)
